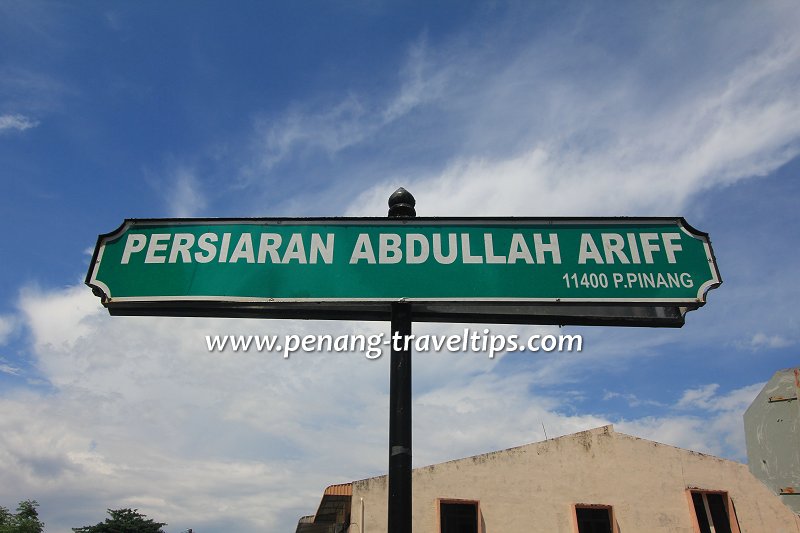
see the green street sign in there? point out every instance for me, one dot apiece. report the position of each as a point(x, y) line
point(630, 271)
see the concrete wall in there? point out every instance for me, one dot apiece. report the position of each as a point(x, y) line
point(772, 430)
point(533, 488)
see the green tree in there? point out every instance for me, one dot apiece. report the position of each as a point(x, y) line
point(26, 519)
point(123, 521)
point(5, 520)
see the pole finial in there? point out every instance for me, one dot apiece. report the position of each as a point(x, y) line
point(401, 204)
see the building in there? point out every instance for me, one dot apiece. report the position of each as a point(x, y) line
point(333, 513)
point(772, 430)
point(593, 481)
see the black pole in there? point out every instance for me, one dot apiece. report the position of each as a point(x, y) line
point(401, 204)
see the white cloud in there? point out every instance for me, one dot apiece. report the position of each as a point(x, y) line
point(7, 327)
point(185, 197)
point(699, 398)
point(16, 122)
point(502, 403)
point(423, 81)
point(139, 407)
point(510, 128)
point(353, 120)
point(761, 341)
point(601, 158)
point(9, 369)
point(715, 426)
point(331, 130)
point(58, 319)
point(631, 399)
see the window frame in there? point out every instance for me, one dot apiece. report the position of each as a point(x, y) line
point(459, 501)
point(610, 508)
point(730, 509)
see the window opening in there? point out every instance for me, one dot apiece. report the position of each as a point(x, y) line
point(458, 517)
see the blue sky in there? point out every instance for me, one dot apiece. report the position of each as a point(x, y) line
point(111, 110)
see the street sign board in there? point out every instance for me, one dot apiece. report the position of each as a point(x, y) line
point(630, 271)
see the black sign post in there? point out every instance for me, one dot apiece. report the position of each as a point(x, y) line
point(401, 204)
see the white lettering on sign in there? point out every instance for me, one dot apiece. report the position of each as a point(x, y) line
point(412, 240)
point(541, 248)
point(134, 244)
point(626, 250)
point(158, 243)
point(620, 280)
point(392, 248)
point(185, 248)
point(417, 248)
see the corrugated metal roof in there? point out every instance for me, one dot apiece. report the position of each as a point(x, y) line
point(343, 489)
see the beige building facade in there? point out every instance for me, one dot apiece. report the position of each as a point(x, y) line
point(594, 481)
